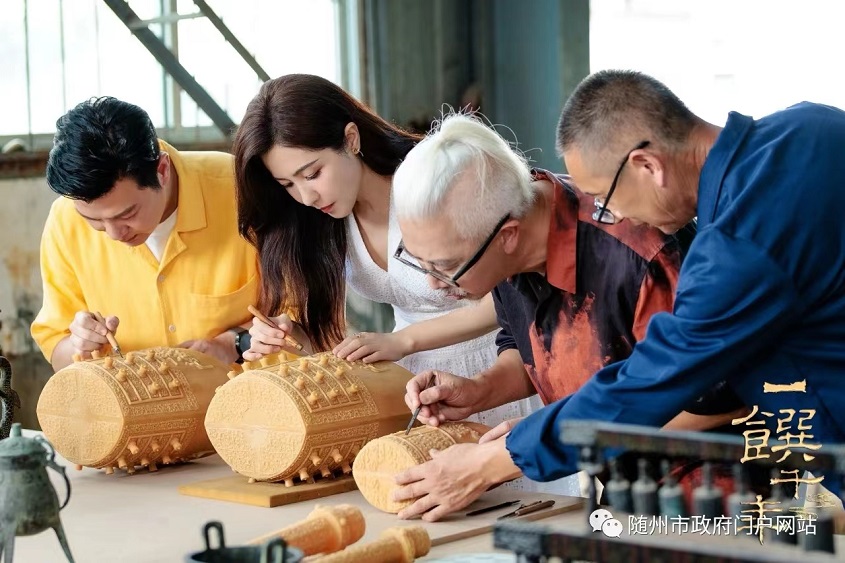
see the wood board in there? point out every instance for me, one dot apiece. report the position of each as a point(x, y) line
point(450, 529)
point(458, 527)
point(299, 499)
point(237, 488)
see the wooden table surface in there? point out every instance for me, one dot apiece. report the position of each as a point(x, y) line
point(143, 518)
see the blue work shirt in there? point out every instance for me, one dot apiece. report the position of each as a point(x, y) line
point(760, 299)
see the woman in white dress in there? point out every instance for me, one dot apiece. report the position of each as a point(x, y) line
point(314, 170)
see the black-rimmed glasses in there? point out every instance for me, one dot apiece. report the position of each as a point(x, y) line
point(453, 279)
point(601, 214)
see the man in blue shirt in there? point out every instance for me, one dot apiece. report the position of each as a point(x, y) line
point(761, 294)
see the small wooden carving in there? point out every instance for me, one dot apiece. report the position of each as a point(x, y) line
point(326, 530)
point(296, 420)
point(381, 460)
point(396, 545)
point(144, 409)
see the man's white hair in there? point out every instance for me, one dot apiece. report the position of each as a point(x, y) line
point(459, 145)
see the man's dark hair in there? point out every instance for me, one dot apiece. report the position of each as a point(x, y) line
point(622, 107)
point(99, 142)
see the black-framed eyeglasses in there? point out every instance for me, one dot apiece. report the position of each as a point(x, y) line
point(453, 279)
point(601, 214)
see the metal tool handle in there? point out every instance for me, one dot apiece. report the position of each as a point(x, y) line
point(51, 463)
point(493, 508)
point(416, 413)
point(205, 532)
point(534, 507)
point(275, 551)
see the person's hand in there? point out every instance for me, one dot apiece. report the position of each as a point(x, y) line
point(87, 334)
point(222, 347)
point(450, 397)
point(454, 478)
point(373, 347)
point(502, 429)
point(266, 339)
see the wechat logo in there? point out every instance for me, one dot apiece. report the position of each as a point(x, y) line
point(602, 520)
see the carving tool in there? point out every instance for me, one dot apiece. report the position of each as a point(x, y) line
point(670, 497)
point(288, 338)
point(644, 492)
point(707, 498)
point(741, 494)
point(109, 335)
point(419, 408)
point(528, 509)
point(492, 508)
point(779, 533)
point(618, 489)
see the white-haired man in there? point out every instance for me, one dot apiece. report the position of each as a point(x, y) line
point(573, 290)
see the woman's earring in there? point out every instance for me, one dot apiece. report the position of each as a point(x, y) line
point(359, 152)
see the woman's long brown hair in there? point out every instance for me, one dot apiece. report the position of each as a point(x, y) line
point(302, 250)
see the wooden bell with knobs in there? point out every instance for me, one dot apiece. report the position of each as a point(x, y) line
point(306, 418)
point(145, 409)
point(381, 460)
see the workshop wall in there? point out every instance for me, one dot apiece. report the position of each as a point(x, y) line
point(26, 203)
point(416, 57)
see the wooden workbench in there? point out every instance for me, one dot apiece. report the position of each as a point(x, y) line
point(142, 517)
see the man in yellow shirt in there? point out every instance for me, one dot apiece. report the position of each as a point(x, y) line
point(143, 234)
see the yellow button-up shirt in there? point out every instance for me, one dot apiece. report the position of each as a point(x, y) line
point(207, 277)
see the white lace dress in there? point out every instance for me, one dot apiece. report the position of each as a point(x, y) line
point(407, 291)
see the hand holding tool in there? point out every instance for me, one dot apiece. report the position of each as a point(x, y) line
point(109, 335)
point(288, 338)
point(419, 408)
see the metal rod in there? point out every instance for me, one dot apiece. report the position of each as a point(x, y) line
point(62, 50)
point(179, 73)
point(703, 445)
point(165, 78)
point(230, 37)
point(28, 80)
point(169, 18)
point(97, 44)
point(176, 91)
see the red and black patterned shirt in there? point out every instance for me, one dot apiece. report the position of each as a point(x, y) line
point(602, 285)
